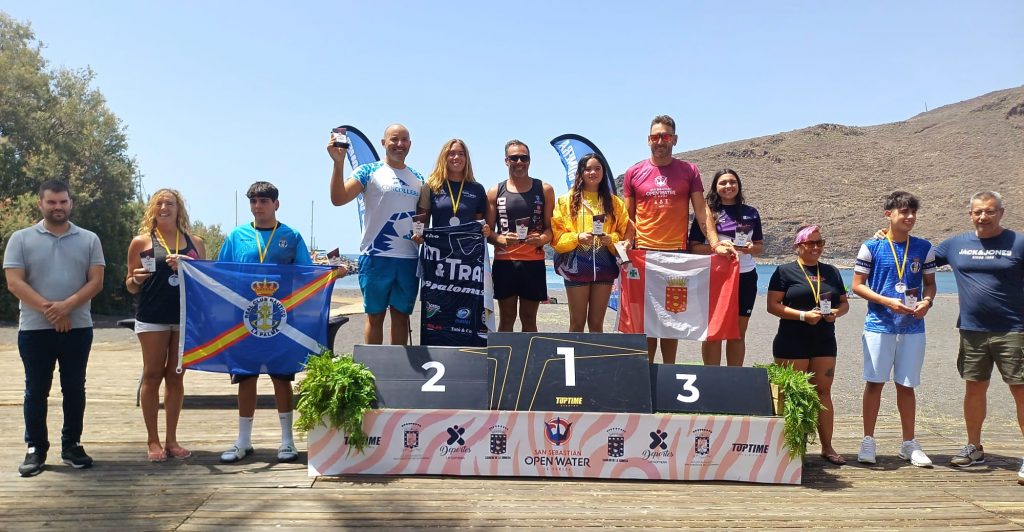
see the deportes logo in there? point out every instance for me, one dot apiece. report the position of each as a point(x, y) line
point(265, 315)
point(659, 440)
point(558, 431)
point(455, 433)
point(432, 309)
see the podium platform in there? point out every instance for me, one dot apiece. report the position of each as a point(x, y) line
point(485, 443)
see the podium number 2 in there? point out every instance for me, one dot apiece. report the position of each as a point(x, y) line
point(570, 364)
point(691, 391)
point(431, 385)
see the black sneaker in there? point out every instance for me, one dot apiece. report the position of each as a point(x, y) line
point(33, 464)
point(76, 457)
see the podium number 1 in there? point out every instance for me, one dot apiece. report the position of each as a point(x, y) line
point(431, 385)
point(570, 364)
point(692, 393)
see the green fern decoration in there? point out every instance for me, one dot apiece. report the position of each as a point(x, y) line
point(801, 407)
point(336, 393)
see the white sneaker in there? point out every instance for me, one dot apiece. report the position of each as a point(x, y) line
point(911, 450)
point(1020, 474)
point(866, 454)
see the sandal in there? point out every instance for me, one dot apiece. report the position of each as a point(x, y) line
point(157, 456)
point(834, 458)
point(179, 452)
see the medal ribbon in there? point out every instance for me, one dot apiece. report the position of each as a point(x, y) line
point(455, 200)
point(815, 293)
point(900, 268)
point(259, 245)
point(163, 242)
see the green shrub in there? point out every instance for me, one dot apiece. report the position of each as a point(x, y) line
point(801, 406)
point(336, 393)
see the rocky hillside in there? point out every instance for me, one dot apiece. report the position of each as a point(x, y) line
point(836, 175)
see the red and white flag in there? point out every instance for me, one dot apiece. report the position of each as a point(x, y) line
point(676, 295)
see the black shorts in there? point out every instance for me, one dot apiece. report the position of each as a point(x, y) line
point(748, 292)
point(799, 341)
point(526, 279)
point(235, 379)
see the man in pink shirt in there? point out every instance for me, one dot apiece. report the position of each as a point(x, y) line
point(659, 192)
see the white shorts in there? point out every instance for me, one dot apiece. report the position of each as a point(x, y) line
point(142, 327)
point(899, 355)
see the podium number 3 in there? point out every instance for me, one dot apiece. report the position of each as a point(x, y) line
point(431, 385)
point(570, 364)
point(691, 391)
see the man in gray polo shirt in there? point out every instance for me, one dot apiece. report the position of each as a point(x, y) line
point(54, 268)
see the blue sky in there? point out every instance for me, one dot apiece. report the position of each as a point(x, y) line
point(216, 95)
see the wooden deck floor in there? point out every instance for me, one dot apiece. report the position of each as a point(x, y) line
point(125, 492)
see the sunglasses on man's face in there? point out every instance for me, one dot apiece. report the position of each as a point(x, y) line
point(814, 243)
point(663, 137)
point(518, 158)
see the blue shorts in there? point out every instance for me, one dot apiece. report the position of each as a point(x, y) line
point(388, 282)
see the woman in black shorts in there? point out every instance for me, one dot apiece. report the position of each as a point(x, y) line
point(739, 223)
point(153, 274)
point(808, 296)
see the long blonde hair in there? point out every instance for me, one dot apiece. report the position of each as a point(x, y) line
point(440, 174)
point(148, 223)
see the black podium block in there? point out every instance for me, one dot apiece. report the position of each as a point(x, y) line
point(569, 372)
point(427, 376)
point(711, 390)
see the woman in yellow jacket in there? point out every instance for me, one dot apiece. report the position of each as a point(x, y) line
point(587, 222)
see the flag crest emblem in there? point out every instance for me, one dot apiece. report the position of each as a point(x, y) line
point(265, 315)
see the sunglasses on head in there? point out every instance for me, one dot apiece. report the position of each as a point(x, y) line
point(663, 137)
point(518, 158)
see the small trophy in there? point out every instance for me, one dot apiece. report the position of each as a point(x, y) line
point(598, 225)
point(825, 303)
point(910, 297)
point(743, 236)
point(334, 257)
point(339, 138)
point(148, 261)
point(418, 223)
point(522, 228)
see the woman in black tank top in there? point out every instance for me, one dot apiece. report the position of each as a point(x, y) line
point(153, 275)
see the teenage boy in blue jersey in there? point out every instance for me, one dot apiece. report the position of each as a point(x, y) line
point(264, 240)
point(896, 276)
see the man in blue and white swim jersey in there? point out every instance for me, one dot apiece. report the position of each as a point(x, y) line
point(387, 254)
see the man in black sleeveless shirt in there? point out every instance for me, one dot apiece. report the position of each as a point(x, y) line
point(519, 213)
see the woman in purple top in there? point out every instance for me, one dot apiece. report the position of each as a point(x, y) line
point(741, 224)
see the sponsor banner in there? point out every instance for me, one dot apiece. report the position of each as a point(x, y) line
point(456, 302)
point(360, 152)
point(677, 295)
point(250, 319)
point(559, 444)
point(571, 148)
